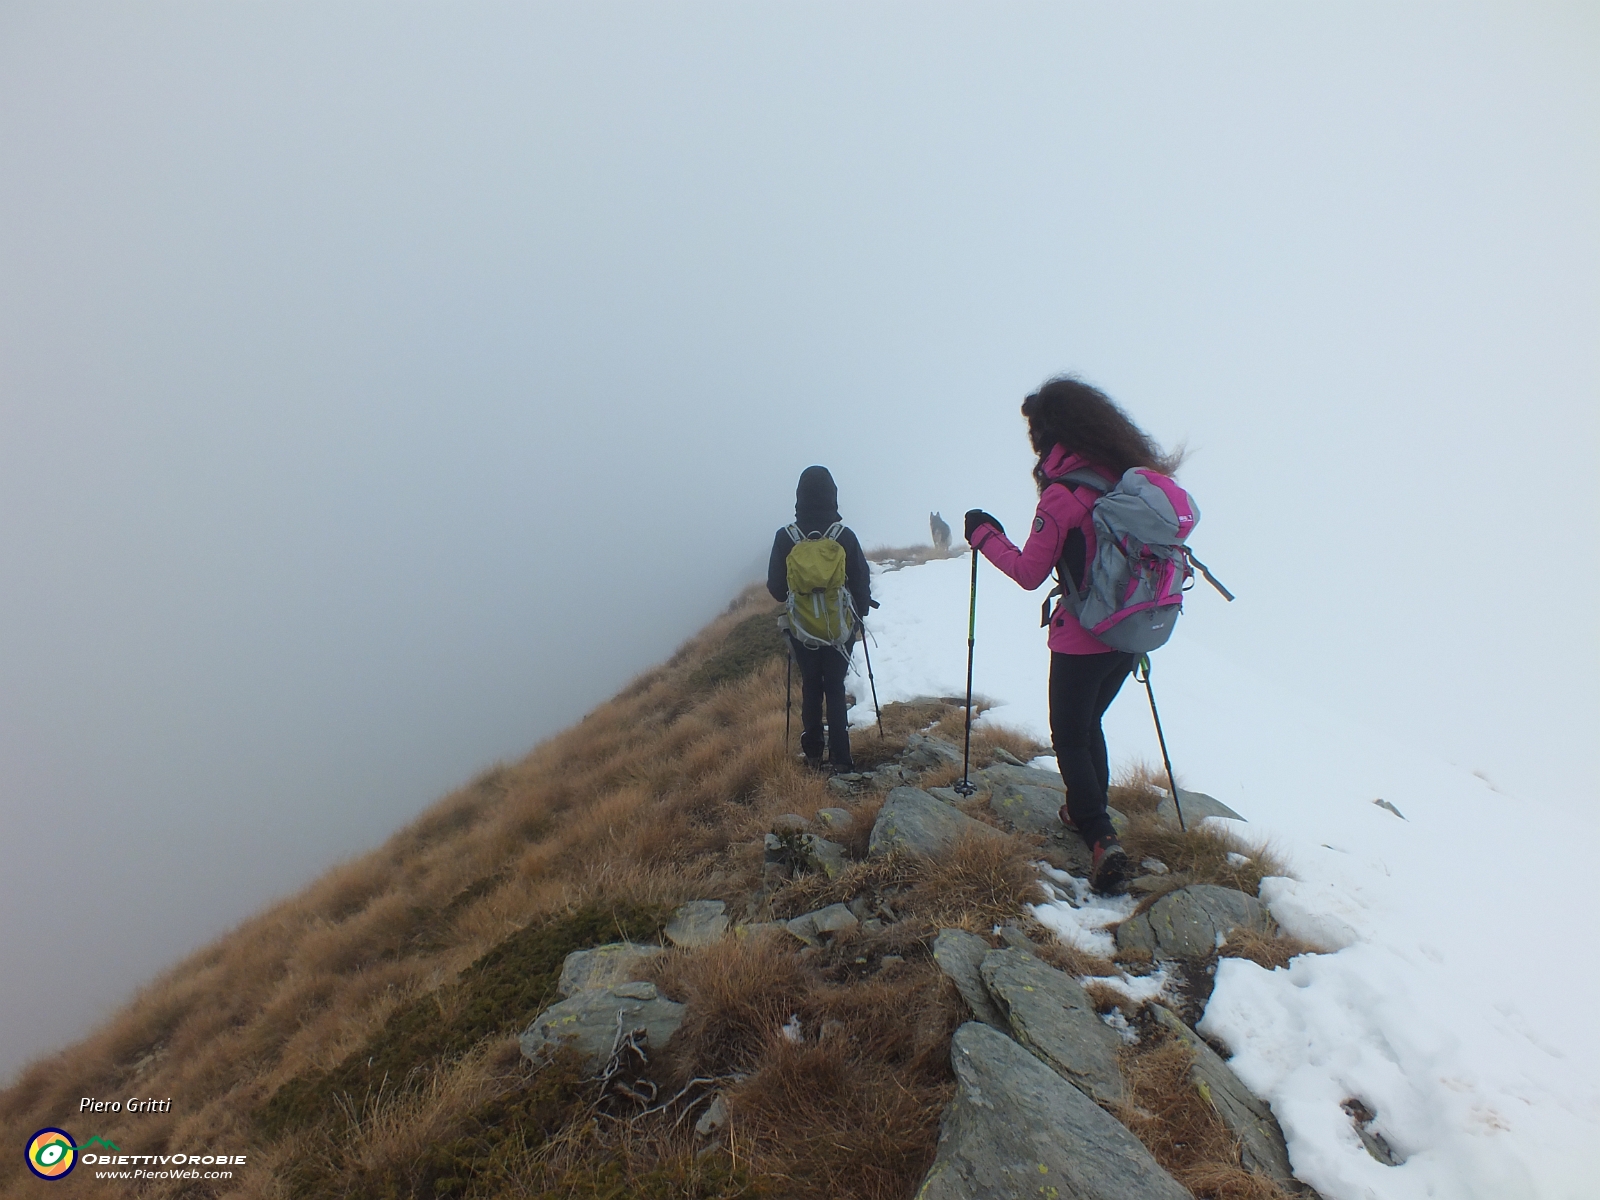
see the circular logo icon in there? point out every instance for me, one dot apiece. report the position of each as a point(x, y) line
point(52, 1154)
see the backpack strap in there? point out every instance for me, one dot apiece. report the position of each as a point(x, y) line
point(1084, 477)
point(831, 533)
point(1095, 482)
point(1206, 571)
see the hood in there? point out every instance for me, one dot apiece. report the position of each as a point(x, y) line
point(816, 500)
point(1060, 460)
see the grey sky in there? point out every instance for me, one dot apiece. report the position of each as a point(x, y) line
point(383, 385)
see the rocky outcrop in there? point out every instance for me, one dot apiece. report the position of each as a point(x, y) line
point(1047, 1012)
point(834, 820)
point(697, 923)
point(960, 955)
point(1030, 800)
point(1017, 776)
point(915, 822)
point(812, 927)
point(821, 856)
point(591, 1020)
point(1261, 1144)
point(923, 753)
point(615, 962)
point(1026, 808)
point(1016, 1128)
point(1192, 921)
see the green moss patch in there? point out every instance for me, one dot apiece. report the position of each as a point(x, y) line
point(749, 645)
point(500, 993)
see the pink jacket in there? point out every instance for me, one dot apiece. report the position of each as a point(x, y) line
point(1059, 510)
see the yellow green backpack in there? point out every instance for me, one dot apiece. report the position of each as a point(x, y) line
point(820, 610)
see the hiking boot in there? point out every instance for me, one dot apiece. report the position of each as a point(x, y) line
point(1110, 866)
point(1066, 819)
point(814, 763)
point(845, 768)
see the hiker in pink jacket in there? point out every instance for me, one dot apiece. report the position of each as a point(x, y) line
point(1074, 426)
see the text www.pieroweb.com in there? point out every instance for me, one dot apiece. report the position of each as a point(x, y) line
point(163, 1166)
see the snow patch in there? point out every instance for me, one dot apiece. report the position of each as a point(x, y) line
point(1452, 1007)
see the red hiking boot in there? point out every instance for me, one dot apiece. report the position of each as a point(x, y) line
point(1066, 819)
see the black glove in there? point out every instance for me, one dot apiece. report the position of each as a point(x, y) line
point(977, 518)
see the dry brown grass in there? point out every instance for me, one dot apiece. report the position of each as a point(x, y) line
point(740, 992)
point(1198, 855)
point(635, 802)
point(1180, 1129)
point(852, 1110)
point(658, 796)
point(1269, 950)
point(978, 883)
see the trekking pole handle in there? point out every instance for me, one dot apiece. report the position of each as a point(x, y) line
point(972, 602)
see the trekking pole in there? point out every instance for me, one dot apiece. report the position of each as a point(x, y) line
point(873, 682)
point(966, 787)
point(788, 695)
point(1144, 665)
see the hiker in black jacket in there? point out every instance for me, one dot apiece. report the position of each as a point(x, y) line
point(822, 668)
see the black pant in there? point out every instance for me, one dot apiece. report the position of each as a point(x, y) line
point(822, 673)
point(1082, 687)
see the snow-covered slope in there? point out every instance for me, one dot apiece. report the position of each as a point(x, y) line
point(1458, 1003)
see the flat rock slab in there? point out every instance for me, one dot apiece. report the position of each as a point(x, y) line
point(1197, 806)
point(1016, 1128)
point(1029, 809)
point(913, 821)
point(822, 856)
point(1047, 1012)
point(1022, 777)
point(1261, 1144)
point(891, 775)
point(615, 962)
point(1025, 808)
point(589, 1021)
point(923, 753)
point(1192, 921)
point(812, 927)
point(959, 955)
point(697, 923)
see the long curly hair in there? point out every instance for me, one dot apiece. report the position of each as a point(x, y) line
point(1066, 411)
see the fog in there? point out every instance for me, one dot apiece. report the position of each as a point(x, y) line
point(381, 386)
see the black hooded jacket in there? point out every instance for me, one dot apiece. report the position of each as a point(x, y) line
point(816, 506)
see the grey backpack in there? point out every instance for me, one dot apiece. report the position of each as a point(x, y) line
point(1133, 590)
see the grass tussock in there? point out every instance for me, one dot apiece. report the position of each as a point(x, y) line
point(851, 1109)
point(740, 991)
point(1269, 950)
point(1181, 1129)
point(978, 884)
point(1201, 854)
point(944, 717)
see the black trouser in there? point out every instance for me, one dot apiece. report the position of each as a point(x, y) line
point(822, 673)
point(1082, 687)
